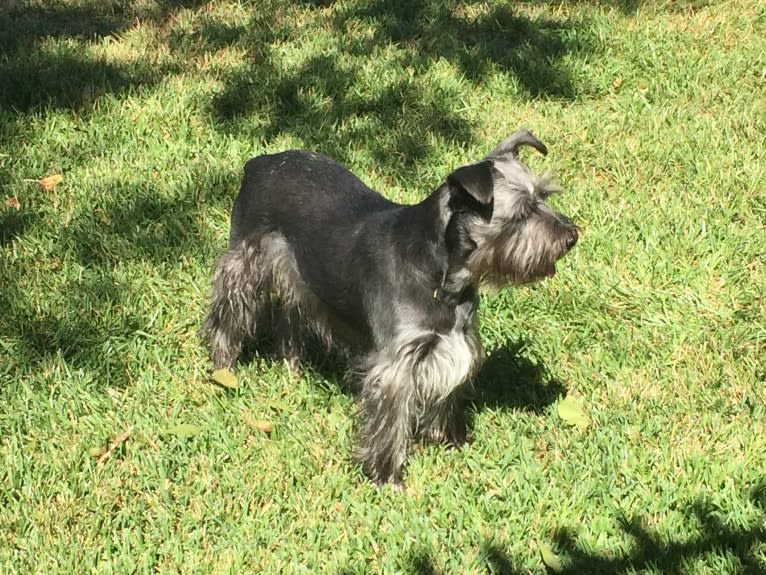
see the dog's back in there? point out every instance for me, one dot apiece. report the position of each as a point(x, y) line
point(313, 216)
point(300, 192)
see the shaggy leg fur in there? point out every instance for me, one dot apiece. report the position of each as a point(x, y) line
point(257, 284)
point(241, 288)
point(290, 336)
point(385, 405)
point(447, 422)
point(416, 384)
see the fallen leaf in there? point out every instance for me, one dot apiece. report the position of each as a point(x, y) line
point(96, 451)
point(571, 411)
point(258, 424)
point(103, 216)
point(116, 442)
point(183, 430)
point(225, 378)
point(13, 203)
point(277, 405)
point(550, 559)
point(50, 182)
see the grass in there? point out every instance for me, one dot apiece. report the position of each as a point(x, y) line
point(655, 115)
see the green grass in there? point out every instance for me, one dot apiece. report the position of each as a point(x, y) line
point(655, 115)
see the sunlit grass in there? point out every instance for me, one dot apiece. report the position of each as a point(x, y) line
point(655, 117)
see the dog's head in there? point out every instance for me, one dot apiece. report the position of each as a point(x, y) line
point(509, 234)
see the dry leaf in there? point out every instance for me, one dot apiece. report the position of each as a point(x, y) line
point(119, 440)
point(550, 559)
point(225, 378)
point(50, 182)
point(183, 430)
point(103, 216)
point(258, 424)
point(13, 203)
point(571, 411)
point(96, 451)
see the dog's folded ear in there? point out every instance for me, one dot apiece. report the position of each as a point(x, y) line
point(474, 179)
point(513, 142)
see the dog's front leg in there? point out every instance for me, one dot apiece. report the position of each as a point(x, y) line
point(446, 422)
point(385, 404)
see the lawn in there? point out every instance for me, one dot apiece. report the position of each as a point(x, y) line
point(119, 455)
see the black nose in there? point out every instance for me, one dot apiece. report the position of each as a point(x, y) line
point(572, 239)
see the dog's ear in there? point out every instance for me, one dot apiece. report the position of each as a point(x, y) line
point(513, 142)
point(475, 180)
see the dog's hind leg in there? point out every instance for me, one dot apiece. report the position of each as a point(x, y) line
point(241, 292)
point(290, 335)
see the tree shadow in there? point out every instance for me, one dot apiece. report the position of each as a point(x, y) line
point(37, 71)
point(77, 330)
point(666, 555)
point(329, 104)
point(14, 223)
point(496, 40)
point(94, 325)
point(497, 561)
point(317, 104)
point(710, 537)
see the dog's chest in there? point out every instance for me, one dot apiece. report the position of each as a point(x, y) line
point(451, 357)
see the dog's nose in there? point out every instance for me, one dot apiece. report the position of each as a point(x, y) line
point(572, 239)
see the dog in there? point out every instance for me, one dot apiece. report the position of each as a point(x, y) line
point(313, 250)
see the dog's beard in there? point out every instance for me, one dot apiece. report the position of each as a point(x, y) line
point(517, 255)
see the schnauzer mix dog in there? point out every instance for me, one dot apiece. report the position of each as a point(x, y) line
point(314, 249)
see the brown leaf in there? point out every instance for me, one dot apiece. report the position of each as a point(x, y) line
point(96, 451)
point(258, 424)
point(571, 411)
point(119, 440)
point(103, 216)
point(50, 182)
point(13, 203)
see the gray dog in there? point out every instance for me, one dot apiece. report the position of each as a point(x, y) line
point(396, 286)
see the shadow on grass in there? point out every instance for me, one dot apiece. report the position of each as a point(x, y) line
point(96, 316)
point(511, 378)
point(40, 66)
point(496, 40)
point(331, 104)
point(90, 330)
point(316, 104)
point(709, 538)
point(13, 223)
